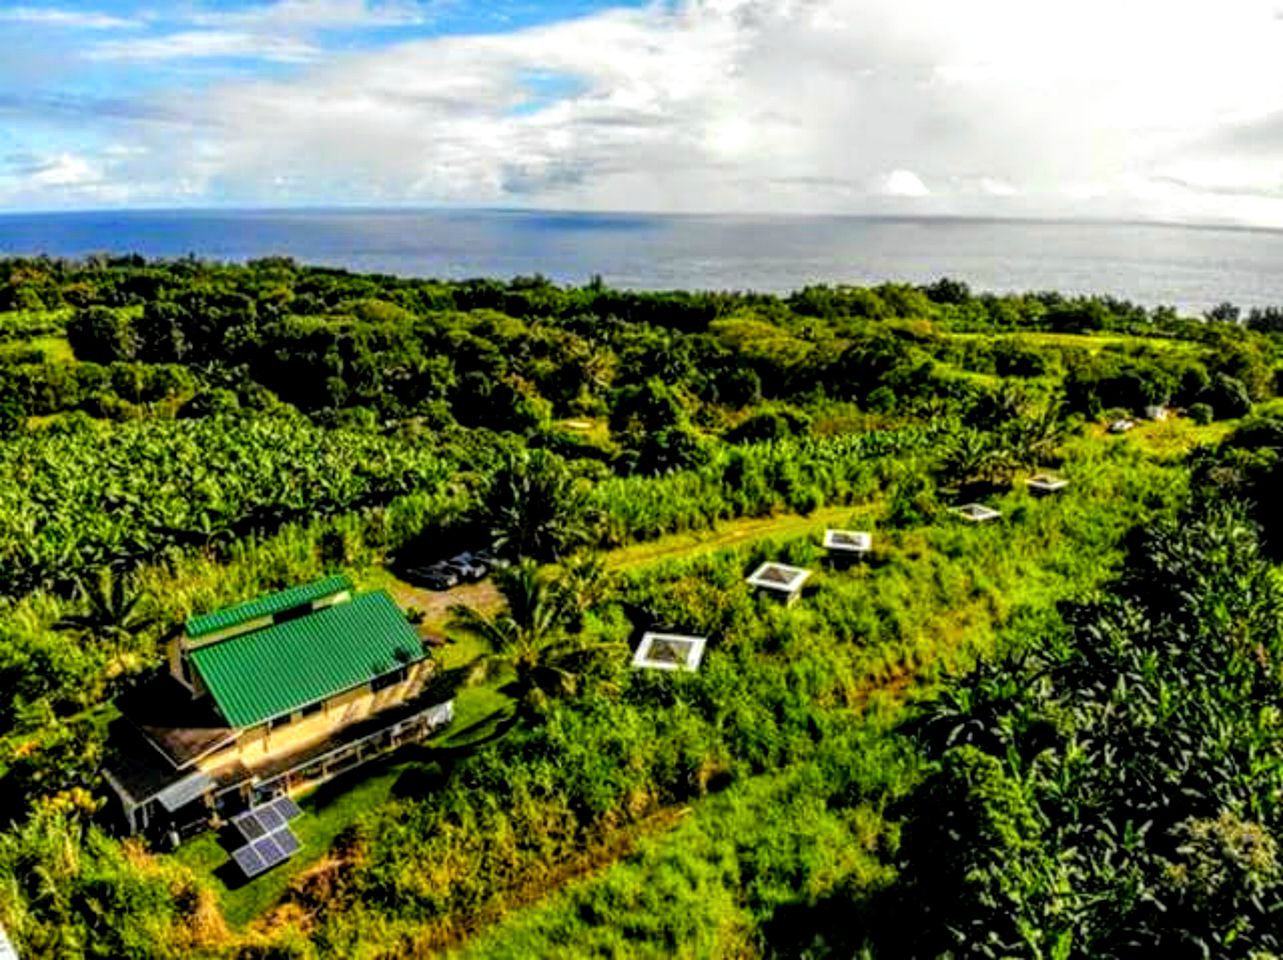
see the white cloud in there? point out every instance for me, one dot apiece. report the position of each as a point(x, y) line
point(310, 15)
point(903, 183)
point(995, 187)
point(206, 45)
point(68, 177)
point(71, 179)
point(56, 17)
point(283, 31)
point(65, 170)
point(995, 106)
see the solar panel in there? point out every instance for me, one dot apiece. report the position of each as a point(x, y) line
point(266, 852)
point(249, 861)
point(270, 818)
point(286, 807)
point(249, 826)
point(269, 850)
point(288, 843)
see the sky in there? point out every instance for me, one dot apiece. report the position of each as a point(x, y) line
point(1131, 109)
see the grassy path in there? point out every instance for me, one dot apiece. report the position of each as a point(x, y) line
point(734, 533)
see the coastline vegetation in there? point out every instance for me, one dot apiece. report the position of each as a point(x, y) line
point(1054, 735)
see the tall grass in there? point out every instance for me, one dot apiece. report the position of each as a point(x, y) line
point(774, 745)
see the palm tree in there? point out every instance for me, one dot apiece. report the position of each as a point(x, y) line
point(113, 609)
point(972, 457)
point(529, 638)
point(536, 507)
point(584, 582)
point(1034, 438)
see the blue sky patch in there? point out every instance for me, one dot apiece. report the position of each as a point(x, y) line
point(544, 88)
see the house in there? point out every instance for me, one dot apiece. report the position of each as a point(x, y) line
point(669, 651)
point(265, 698)
point(780, 580)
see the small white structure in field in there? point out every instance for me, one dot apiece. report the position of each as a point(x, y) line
point(1046, 483)
point(1156, 412)
point(669, 651)
point(1121, 426)
point(7, 951)
point(780, 579)
point(849, 542)
point(977, 513)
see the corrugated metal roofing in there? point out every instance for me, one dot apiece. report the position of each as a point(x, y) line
point(270, 672)
point(266, 606)
point(178, 795)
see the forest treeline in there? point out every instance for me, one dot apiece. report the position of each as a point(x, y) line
point(191, 339)
point(1050, 737)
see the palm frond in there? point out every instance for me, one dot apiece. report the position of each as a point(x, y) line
point(495, 632)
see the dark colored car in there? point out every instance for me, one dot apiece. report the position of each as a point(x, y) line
point(468, 566)
point(438, 576)
point(491, 559)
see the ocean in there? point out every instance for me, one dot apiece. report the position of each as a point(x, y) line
point(1190, 268)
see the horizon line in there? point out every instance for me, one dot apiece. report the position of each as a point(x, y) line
point(1212, 225)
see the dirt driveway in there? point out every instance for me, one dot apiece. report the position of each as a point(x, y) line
point(436, 604)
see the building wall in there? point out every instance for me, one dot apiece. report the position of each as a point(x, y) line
point(258, 745)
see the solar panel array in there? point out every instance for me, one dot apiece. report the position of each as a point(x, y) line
point(261, 855)
point(268, 818)
point(269, 840)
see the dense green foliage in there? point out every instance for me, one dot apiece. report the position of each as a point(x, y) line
point(1116, 793)
point(88, 495)
point(1052, 736)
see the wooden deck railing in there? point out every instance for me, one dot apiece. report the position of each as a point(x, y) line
point(320, 767)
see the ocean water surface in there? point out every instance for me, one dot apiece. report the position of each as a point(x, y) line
point(1187, 267)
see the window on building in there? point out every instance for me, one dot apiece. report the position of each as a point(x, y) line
point(388, 680)
point(279, 722)
point(311, 709)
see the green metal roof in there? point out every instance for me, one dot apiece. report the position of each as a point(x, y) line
point(270, 672)
point(266, 606)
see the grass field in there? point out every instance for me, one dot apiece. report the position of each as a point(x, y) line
point(933, 616)
point(1098, 463)
point(1169, 439)
point(1091, 342)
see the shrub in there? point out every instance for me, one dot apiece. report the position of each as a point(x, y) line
point(882, 400)
point(101, 335)
point(774, 424)
point(1228, 397)
point(1201, 413)
point(1014, 359)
